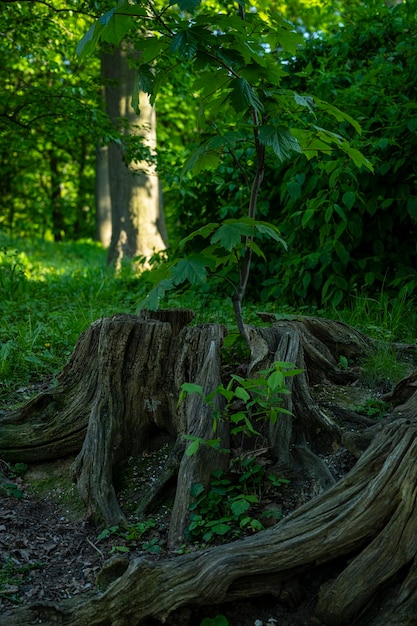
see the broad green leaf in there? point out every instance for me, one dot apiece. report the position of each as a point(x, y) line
point(412, 207)
point(280, 139)
point(192, 448)
point(196, 490)
point(192, 268)
point(339, 115)
point(188, 5)
point(270, 231)
point(145, 80)
point(90, 40)
point(106, 17)
point(243, 96)
point(250, 243)
point(205, 232)
point(340, 211)
point(207, 82)
point(356, 156)
point(289, 39)
point(239, 507)
point(307, 217)
point(154, 297)
point(221, 529)
point(150, 48)
point(242, 394)
point(305, 101)
point(230, 233)
point(349, 199)
point(184, 43)
point(116, 28)
point(275, 380)
point(202, 158)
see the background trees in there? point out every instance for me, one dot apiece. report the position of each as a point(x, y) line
point(348, 231)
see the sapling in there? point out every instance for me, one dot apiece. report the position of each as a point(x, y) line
point(236, 59)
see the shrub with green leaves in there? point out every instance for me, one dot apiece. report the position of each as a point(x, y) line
point(244, 111)
point(348, 230)
point(248, 401)
point(227, 508)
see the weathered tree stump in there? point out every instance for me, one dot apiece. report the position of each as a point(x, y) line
point(131, 372)
point(120, 387)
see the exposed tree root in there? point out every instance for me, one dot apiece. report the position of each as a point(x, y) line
point(367, 521)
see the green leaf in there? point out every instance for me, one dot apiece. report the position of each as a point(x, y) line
point(412, 207)
point(186, 389)
point(116, 27)
point(145, 81)
point(241, 393)
point(275, 380)
point(205, 232)
point(193, 268)
point(192, 448)
point(89, 42)
point(356, 156)
point(271, 231)
point(203, 158)
point(305, 101)
point(243, 96)
point(280, 139)
point(196, 490)
point(184, 43)
point(230, 233)
point(188, 5)
point(339, 115)
point(255, 248)
point(307, 217)
point(239, 507)
point(221, 529)
point(349, 199)
point(155, 295)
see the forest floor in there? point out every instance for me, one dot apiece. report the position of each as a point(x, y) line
point(48, 552)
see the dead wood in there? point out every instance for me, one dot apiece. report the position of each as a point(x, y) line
point(121, 386)
point(369, 516)
point(367, 521)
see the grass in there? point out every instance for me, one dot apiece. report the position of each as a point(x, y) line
point(50, 293)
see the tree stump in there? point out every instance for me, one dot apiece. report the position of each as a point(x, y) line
point(120, 387)
point(132, 371)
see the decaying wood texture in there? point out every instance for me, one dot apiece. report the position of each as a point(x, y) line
point(369, 516)
point(120, 387)
point(367, 521)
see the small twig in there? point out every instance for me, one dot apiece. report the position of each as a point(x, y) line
point(95, 548)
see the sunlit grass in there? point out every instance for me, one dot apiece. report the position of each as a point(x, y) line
point(50, 293)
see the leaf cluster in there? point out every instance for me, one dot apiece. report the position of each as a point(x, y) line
point(350, 231)
point(228, 509)
point(248, 400)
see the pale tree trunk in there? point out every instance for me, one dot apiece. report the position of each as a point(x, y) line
point(134, 187)
point(102, 197)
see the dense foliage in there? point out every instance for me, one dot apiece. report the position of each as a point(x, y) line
point(348, 231)
point(351, 231)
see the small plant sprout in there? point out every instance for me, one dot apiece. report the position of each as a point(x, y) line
point(260, 397)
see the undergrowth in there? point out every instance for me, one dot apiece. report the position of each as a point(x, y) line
point(51, 292)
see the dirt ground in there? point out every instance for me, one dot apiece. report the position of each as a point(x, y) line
point(48, 552)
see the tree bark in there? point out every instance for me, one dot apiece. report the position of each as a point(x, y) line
point(137, 215)
point(123, 382)
point(102, 197)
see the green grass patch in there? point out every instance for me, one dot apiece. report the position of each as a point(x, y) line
point(51, 292)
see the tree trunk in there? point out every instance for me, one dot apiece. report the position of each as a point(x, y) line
point(102, 197)
point(122, 385)
point(137, 217)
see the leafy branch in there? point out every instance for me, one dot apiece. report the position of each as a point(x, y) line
point(234, 56)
